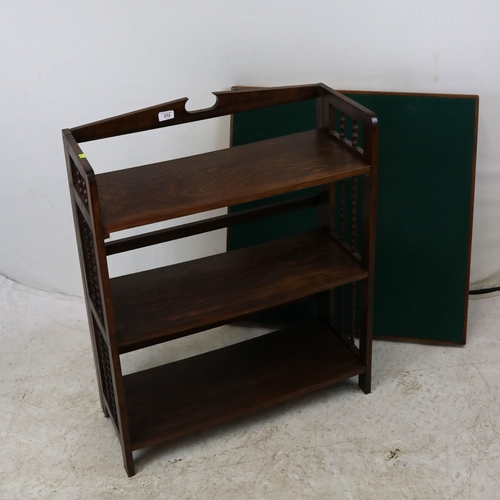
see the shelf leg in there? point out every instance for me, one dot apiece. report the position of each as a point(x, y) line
point(128, 462)
point(365, 383)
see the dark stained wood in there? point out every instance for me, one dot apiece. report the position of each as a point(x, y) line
point(142, 309)
point(348, 106)
point(212, 224)
point(166, 303)
point(151, 193)
point(228, 102)
point(199, 392)
point(95, 276)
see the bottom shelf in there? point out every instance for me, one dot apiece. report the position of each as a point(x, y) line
point(199, 392)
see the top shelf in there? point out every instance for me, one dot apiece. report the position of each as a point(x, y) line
point(166, 190)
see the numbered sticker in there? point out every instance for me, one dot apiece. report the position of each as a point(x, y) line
point(165, 115)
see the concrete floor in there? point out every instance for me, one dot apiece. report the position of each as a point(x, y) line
point(429, 430)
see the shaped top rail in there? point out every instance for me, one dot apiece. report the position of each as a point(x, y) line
point(228, 102)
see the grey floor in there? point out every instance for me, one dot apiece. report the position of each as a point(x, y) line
point(430, 429)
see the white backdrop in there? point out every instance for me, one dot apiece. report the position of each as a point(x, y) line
point(64, 63)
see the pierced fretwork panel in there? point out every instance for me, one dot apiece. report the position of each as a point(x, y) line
point(105, 370)
point(355, 133)
point(347, 229)
point(80, 185)
point(347, 213)
point(90, 262)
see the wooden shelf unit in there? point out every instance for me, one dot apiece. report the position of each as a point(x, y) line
point(143, 309)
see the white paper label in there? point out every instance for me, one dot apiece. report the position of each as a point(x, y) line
point(165, 115)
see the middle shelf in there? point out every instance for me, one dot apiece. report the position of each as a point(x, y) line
point(158, 305)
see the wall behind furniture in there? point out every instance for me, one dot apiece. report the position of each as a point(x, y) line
point(66, 63)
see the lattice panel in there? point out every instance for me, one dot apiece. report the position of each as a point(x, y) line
point(354, 214)
point(347, 192)
point(347, 213)
point(347, 229)
point(80, 185)
point(342, 125)
point(342, 204)
point(346, 128)
point(347, 311)
point(90, 266)
point(355, 133)
point(105, 370)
